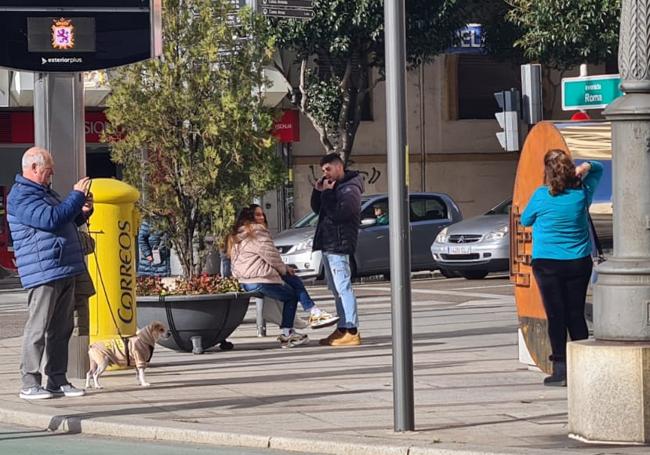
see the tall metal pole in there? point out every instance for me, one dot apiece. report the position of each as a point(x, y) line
point(398, 209)
point(423, 136)
point(59, 128)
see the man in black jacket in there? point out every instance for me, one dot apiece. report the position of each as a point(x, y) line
point(336, 199)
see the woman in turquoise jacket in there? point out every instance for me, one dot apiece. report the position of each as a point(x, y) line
point(562, 263)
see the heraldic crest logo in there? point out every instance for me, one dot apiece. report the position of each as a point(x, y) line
point(63, 34)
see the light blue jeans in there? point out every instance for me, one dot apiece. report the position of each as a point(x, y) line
point(339, 281)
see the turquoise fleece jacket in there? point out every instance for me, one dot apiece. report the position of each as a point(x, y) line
point(560, 224)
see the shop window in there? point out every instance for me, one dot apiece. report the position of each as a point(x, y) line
point(479, 76)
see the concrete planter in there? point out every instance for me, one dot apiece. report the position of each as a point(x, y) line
point(212, 317)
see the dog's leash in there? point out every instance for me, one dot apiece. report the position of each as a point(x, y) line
point(125, 340)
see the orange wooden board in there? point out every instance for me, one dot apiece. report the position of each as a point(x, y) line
point(530, 175)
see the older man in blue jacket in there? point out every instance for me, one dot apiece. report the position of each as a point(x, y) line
point(49, 257)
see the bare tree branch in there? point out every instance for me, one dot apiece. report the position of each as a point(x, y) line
point(321, 130)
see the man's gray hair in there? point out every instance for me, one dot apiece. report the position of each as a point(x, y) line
point(34, 156)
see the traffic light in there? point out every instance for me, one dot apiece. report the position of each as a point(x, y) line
point(508, 118)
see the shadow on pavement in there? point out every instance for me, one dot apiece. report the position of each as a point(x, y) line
point(228, 403)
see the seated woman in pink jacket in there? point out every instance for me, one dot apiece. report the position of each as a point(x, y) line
point(317, 318)
point(258, 266)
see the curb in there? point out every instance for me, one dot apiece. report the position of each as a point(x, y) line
point(30, 415)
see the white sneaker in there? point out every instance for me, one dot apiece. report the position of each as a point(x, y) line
point(293, 340)
point(35, 393)
point(323, 319)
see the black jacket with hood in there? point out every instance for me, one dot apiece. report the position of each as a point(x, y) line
point(338, 212)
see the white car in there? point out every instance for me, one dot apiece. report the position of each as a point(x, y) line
point(295, 247)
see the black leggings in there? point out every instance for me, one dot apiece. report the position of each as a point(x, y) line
point(563, 285)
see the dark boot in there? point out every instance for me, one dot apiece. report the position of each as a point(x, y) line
point(558, 378)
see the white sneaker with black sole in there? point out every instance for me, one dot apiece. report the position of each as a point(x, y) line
point(293, 340)
point(67, 390)
point(35, 393)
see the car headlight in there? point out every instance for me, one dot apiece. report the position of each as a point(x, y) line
point(442, 236)
point(498, 234)
point(302, 246)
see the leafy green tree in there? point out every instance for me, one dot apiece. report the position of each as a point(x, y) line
point(499, 34)
point(561, 34)
point(564, 33)
point(340, 57)
point(190, 128)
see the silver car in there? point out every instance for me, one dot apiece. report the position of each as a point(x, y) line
point(476, 246)
point(429, 214)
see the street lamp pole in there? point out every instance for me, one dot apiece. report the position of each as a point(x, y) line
point(609, 378)
point(398, 211)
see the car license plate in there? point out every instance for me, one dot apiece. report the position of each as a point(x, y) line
point(460, 249)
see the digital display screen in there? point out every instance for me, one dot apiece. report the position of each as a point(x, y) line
point(61, 34)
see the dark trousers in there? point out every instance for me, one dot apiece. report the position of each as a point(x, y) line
point(282, 292)
point(563, 285)
point(299, 287)
point(47, 331)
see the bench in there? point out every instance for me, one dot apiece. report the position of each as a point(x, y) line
point(260, 323)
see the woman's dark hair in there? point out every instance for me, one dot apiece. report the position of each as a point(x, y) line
point(254, 207)
point(560, 172)
point(245, 218)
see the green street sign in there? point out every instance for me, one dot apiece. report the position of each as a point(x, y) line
point(590, 92)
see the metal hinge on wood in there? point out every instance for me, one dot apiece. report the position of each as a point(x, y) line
point(521, 241)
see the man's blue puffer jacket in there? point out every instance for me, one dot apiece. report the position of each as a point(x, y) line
point(44, 232)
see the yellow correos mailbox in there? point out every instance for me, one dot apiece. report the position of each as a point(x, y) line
point(114, 226)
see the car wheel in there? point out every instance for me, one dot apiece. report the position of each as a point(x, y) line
point(475, 275)
point(447, 273)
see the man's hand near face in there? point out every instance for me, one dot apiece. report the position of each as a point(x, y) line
point(82, 185)
point(328, 184)
point(318, 184)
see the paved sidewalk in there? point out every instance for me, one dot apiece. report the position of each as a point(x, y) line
point(472, 396)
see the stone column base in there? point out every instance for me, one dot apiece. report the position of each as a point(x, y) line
point(609, 391)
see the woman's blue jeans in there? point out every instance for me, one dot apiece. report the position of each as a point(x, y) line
point(299, 287)
point(282, 292)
